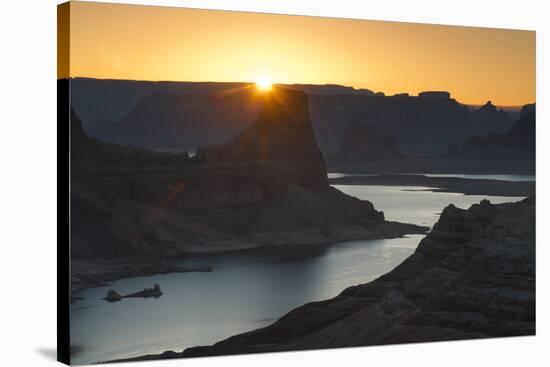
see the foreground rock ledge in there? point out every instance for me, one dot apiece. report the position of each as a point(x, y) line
point(472, 277)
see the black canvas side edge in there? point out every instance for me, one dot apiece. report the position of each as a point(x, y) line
point(63, 187)
point(63, 234)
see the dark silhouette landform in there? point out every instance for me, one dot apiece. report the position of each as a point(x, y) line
point(363, 142)
point(146, 293)
point(112, 296)
point(465, 186)
point(161, 170)
point(99, 272)
point(154, 292)
point(518, 142)
point(434, 165)
point(472, 277)
point(267, 186)
point(511, 151)
point(177, 116)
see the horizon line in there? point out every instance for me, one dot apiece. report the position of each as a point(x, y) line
point(290, 84)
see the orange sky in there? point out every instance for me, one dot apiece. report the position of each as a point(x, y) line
point(162, 43)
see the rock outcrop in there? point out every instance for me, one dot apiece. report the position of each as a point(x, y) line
point(488, 107)
point(423, 125)
point(154, 292)
point(112, 296)
point(491, 119)
point(267, 186)
point(281, 143)
point(472, 277)
point(518, 142)
point(435, 94)
point(328, 89)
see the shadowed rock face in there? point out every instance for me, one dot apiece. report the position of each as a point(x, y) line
point(423, 125)
point(183, 122)
point(473, 276)
point(488, 107)
point(254, 167)
point(179, 116)
point(91, 157)
point(518, 142)
point(282, 141)
point(366, 143)
point(267, 186)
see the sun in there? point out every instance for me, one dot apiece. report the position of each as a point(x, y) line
point(263, 83)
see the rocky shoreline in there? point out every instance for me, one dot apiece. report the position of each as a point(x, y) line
point(465, 186)
point(472, 277)
point(90, 273)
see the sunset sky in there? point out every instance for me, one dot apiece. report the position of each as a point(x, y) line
point(162, 43)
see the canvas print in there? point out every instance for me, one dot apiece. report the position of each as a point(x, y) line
point(236, 182)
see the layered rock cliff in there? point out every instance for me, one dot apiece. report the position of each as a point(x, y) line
point(282, 141)
point(267, 186)
point(182, 121)
point(367, 143)
point(472, 277)
point(516, 143)
point(166, 115)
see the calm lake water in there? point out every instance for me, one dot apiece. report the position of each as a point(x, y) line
point(247, 290)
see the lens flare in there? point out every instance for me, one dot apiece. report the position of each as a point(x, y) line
point(263, 83)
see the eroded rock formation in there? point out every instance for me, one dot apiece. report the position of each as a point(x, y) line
point(178, 116)
point(281, 143)
point(112, 296)
point(518, 142)
point(473, 276)
point(267, 186)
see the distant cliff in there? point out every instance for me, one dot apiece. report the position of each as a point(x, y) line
point(90, 156)
point(176, 122)
point(177, 116)
point(435, 95)
point(518, 142)
point(423, 125)
point(491, 119)
point(267, 186)
point(362, 142)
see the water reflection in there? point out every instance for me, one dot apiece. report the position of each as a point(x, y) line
point(412, 204)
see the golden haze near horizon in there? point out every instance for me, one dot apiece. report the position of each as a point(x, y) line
point(139, 42)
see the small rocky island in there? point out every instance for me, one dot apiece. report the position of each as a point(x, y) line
point(113, 296)
point(146, 293)
point(467, 186)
